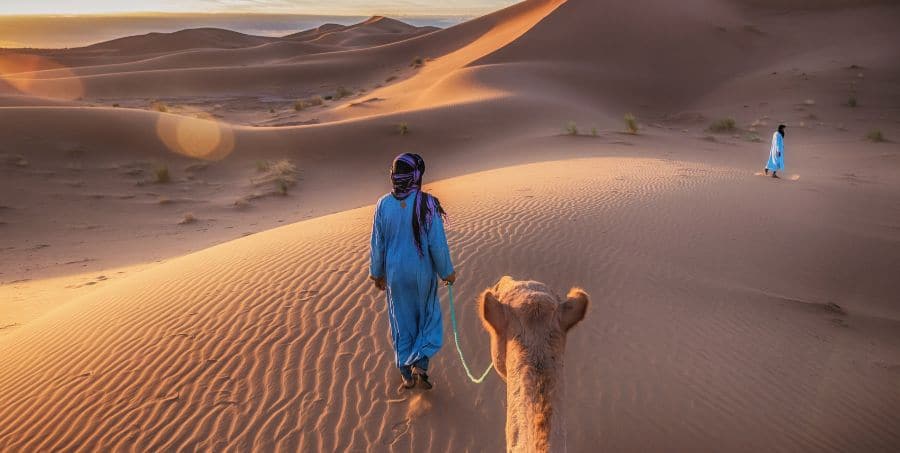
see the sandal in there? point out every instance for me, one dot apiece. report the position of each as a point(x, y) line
point(422, 376)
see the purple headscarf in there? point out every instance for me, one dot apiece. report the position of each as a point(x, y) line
point(406, 177)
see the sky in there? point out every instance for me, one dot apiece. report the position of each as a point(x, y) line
point(319, 7)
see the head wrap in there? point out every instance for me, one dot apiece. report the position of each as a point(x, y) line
point(406, 177)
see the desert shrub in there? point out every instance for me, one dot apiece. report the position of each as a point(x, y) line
point(752, 137)
point(390, 79)
point(571, 128)
point(271, 110)
point(875, 135)
point(852, 102)
point(283, 167)
point(115, 105)
point(723, 125)
point(282, 174)
point(162, 174)
point(593, 132)
point(312, 102)
point(159, 106)
point(403, 129)
point(188, 218)
point(342, 92)
point(417, 62)
point(262, 166)
point(631, 123)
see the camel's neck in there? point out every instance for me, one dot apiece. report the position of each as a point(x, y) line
point(534, 420)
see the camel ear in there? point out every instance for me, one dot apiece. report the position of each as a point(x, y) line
point(493, 316)
point(574, 308)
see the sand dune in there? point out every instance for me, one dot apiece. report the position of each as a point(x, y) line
point(200, 47)
point(214, 38)
point(377, 30)
point(277, 342)
point(225, 305)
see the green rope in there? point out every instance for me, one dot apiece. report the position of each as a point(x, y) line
point(458, 349)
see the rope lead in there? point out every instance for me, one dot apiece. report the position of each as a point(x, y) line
point(458, 349)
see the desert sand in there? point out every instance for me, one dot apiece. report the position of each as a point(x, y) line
point(184, 225)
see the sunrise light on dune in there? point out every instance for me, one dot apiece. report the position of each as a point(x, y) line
point(445, 226)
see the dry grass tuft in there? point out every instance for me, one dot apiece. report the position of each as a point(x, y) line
point(159, 106)
point(571, 128)
point(342, 92)
point(723, 125)
point(875, 135)
point(188, 218)
point(281, 174)
point(241, 203)
point(403, 129)
point(162, 174)
point(631, 124)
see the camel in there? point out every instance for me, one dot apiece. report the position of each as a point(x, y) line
point(528, 325)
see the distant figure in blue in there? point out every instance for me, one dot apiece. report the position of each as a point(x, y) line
point(776, 154)
point(409, 253)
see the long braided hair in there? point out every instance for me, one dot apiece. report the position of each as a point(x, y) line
point(406, 177)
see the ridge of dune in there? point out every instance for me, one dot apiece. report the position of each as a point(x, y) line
point(350, 67)
point(240, 346)
point(208, 47)
point(179, 40)
point(314, 32)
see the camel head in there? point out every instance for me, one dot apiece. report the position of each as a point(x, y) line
point(528, 323)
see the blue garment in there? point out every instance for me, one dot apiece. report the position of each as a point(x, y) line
point(776, 154)
point(412, 280)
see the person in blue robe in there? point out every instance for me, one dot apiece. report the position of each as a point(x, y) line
point(409, 254)
point(776, 153)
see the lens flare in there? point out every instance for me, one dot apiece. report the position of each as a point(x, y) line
point(201, 138)
point(39, 76)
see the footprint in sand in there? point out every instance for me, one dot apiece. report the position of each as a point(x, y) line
point(794, 177)
point(397, 431)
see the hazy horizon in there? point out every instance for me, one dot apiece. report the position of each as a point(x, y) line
point(301, 7)
point(62, 31)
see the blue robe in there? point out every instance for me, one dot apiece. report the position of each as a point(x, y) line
point(776, 154)
point(412, 280)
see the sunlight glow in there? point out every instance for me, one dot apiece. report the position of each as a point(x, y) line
point(201, 138)
point(59, 83)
